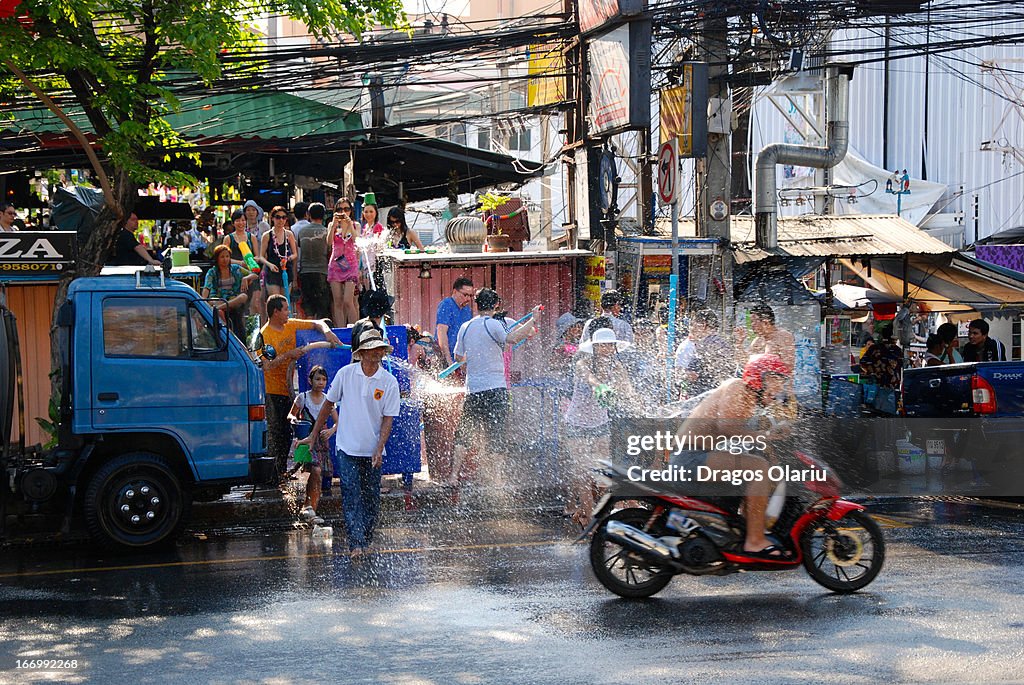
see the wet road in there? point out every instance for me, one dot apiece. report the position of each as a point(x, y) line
point(512, 602)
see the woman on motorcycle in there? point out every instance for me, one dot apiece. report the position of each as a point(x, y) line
point(600, 381)
point(734, 409)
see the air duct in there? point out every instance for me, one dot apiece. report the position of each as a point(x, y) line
point(837, 138)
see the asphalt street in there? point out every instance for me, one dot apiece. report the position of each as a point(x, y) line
point(452, 599)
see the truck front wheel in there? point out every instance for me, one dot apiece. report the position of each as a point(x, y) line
point(135, 501)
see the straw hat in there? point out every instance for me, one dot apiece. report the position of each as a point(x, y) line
point(370, 340)
point(604, 336)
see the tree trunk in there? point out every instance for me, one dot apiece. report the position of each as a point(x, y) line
point(91, 258)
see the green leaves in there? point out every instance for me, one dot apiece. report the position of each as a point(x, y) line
point(118, 62)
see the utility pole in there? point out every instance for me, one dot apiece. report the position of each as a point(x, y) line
point(714, 172)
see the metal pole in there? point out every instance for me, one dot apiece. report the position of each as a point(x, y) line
point(673, 300)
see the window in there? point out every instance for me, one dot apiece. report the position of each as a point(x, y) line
point(1015, 341)
point(163, 327)
point(458, 134)
point(483, 139)
point(519, 140)
point(202, 335)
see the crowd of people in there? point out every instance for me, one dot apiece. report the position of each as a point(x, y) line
point(881, 360)
point(307, 253)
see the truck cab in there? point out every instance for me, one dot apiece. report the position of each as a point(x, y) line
point(159, 404)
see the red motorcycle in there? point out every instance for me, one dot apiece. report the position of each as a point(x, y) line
point(635, 551)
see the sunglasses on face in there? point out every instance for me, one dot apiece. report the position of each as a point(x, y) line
point(280, 216)
point(347, 210)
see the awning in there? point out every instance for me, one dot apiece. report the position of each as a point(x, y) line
point(855, 297)
point(265, 134)
point(954, 285)
point(826, 236)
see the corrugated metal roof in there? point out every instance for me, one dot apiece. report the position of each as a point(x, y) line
point(259, 114)
point(826, 236)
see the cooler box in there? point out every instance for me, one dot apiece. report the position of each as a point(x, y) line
point(844, 397)
point(402, 452)
point(179, 256)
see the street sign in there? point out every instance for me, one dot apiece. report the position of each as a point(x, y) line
point(668, 172)
point(719, 210)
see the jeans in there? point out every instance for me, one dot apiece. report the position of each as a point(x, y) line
point(360, 492)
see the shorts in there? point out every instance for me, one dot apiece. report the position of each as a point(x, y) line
point(484, 413)
point(316, 298)
point(277, 279)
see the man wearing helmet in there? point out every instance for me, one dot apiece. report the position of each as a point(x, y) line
point(735, 409)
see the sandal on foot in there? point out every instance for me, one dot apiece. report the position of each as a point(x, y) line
point(769, 553)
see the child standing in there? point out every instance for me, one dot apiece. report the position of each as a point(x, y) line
point(315, 457)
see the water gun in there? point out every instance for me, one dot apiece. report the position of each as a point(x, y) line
point(451, 369)
point(604, 395)
point(284, 280)
point(522, 320)
point(250, 261)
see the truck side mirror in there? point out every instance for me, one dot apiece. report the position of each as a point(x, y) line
point(256, 342)
point(269, 352)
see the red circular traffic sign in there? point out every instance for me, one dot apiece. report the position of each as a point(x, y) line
point(668, 172)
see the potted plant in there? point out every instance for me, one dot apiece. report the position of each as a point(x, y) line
point(497, 239)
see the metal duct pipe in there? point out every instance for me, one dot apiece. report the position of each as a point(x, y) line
point(837, 138)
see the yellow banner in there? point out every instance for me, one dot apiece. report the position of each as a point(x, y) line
point(676, 113)
point(546, 85)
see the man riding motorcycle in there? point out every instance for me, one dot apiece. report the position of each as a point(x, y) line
point(735, 409)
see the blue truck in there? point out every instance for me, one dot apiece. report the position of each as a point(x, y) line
point(159, 406)
point(987, 390)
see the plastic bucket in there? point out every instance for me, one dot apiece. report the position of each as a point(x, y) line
point(302, 455)
point(302, 429)
point(179, 256)
point(910, 459)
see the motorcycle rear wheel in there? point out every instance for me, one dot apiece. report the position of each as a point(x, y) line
point(844, 555)
point(621, 571)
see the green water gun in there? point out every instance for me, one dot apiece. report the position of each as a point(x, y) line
point(604, 395)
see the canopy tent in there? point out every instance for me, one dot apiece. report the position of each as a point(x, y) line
point(855, 297)
point(956, 285)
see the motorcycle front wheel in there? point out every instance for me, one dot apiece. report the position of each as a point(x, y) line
point(626, 573)
point(844, 555)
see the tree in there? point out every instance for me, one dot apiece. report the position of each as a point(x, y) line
point(107, 61)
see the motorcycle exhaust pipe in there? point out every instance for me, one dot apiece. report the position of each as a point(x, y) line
point(639, 541)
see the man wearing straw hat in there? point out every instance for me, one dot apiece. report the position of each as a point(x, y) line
point(368, 402)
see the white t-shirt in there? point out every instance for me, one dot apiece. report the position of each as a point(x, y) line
point(481, 341)
point(685, 353)
point(313, 407)
point(362, 401)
